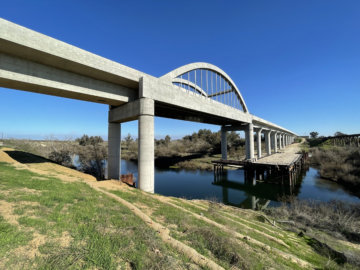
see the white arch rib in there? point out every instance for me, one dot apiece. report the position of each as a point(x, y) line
point(172, 75)
point(193, 85)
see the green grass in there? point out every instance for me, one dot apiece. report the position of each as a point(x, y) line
point(104, 234)
point(11, 237)
point(208, 239)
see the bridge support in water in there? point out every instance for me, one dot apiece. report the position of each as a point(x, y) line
point(249, 141)
point(274, 142)
point(223, 143)
point(268, 141)
point(258, 142)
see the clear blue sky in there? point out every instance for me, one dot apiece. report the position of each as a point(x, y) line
point(296, 63)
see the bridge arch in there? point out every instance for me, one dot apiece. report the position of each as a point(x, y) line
point(209, 81)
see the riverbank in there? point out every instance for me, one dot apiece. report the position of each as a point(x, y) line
point(52, 216)
point(340, 164)
point(169, 158)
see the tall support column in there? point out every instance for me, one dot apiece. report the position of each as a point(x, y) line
point(247, 153)
point(268, 142)
point(146, 145)
point(223, 144)
point(279, 143)
point(283, 141)
point(258, 142)
point(114, 151)
point(275, 142)
point(249, 138)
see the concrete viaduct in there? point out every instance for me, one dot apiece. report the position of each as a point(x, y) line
point(199, 92)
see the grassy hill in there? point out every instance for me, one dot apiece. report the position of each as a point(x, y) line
point(52, 217)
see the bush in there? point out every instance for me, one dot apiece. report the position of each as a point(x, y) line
point(340, 164)
point(92, 155)
point(62, 157)
point(341, 220)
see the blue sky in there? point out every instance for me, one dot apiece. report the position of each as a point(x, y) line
point(296, 63)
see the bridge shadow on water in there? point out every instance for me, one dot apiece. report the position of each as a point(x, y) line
point(258, 193)
point(26, 158)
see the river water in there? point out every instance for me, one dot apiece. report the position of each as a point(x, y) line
point(233, 191)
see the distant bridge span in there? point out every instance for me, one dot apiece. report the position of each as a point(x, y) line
point(199, 92)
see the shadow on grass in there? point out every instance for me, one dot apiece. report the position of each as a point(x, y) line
point(24, 157)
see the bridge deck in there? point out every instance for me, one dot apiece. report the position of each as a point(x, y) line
point(282, 167)
point(285, 157)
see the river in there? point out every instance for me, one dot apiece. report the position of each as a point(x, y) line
point(233, 191)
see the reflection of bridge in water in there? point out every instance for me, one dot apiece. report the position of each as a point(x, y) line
point(259, 193)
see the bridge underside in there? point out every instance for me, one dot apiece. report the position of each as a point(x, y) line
point(34, 62)
point(174, 112)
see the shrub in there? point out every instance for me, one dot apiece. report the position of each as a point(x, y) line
point(62, 157)
point(341, 220)
point(92, 155)
point(340, 164)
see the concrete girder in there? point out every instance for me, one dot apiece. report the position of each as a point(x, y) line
point(31, 45)
point(22, 74)
point(131, 110)
point(166, 93)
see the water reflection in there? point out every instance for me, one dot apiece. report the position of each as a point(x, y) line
point(232, 188)
point(258, 193)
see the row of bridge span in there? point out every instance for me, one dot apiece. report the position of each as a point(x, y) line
point(274, 140)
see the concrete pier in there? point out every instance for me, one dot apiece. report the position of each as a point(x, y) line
point(114, 151)
point(223, 143)
point(146, 146)
point(268, 142)
point(275, 142)
point(249, 141)
point(258, 142)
